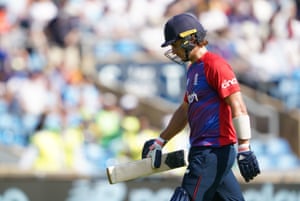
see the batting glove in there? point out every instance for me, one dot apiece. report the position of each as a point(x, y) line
point(153, 149)
point(248, 164)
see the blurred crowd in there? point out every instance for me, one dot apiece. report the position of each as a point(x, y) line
point(50, 103)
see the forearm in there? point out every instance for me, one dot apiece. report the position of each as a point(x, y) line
point(243, 131)
point(176, 124)
point(240, 118)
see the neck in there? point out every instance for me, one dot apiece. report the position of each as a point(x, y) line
point(197, 53)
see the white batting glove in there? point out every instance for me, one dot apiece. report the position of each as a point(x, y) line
point(153, 149)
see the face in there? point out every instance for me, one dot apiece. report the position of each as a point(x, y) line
point(177, 53)
point(178, 50)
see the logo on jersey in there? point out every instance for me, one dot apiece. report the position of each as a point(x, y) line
point(196, 79)
point(192, 97)
point(228, 83)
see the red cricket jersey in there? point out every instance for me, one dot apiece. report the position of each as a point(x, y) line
point(209, 81)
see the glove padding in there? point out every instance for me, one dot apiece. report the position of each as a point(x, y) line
point(152, 149)
point(248, 165)
point(180, 194)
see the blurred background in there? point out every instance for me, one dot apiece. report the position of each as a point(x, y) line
point(83, 83)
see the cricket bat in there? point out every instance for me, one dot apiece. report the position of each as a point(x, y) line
point(142, 168)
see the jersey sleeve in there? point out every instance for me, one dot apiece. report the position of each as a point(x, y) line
point(220, 76)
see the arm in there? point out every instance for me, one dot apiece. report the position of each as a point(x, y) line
point(177, 122)
point(247, 161)
point(152, 148)
point(238, 108)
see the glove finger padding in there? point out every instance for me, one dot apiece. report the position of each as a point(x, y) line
point(146, 148)
point(156, 158)
point(248, 165)
point(180, 194)
point(246, 173)
point(152, 150)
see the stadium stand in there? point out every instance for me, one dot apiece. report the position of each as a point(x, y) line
point(57, 115)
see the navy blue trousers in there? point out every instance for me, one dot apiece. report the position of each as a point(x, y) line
point(209, 176)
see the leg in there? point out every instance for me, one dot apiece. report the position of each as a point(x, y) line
point(201, 174)
point(208, 169)
point(229, 189)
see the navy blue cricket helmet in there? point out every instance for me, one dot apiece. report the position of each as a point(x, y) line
point(181, 26)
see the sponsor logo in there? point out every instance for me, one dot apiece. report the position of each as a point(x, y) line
point(14, 194)
point(192, 97)
point(228, 83)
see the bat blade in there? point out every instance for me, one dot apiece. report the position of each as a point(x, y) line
point(142, 168)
